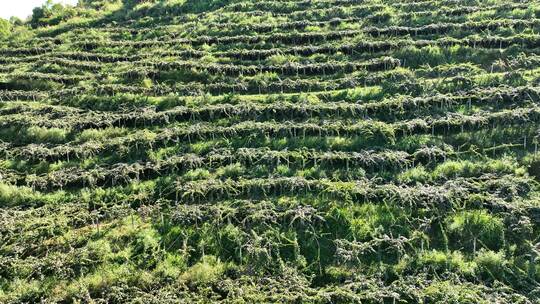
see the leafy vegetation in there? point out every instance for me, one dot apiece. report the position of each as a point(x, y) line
point(327, 151)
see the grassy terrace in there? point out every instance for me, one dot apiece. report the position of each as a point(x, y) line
point(288, 151)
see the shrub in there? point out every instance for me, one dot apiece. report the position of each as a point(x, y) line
point(147, 83)
point(429, 55)
point(281, 59)
point(308, 98)
point(284, 170)
point(171, 266)
point(146, 247)
point(197, 174)
point(230, 171)
point(207, 271)
point(102, 278)
point(371, 220)
point(45, 135)
point(533, 165)
point(314, 172)
point(98, 250)
point(452, 292)
point(100, 134)
point(24, 291)
point(231, 238)
point(338, 274)
point(203, 147)
point(5, 28)
point(14, 196)
point(465, 168)
point(339, 143)
point(491, 265)
point(469, 227)
point(439, 262)
point(418, 174)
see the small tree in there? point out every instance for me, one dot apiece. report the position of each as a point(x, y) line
point(16, 21)
point(477, 225)
point(41, 15)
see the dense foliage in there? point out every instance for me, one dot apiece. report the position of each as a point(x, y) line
point(290, 151)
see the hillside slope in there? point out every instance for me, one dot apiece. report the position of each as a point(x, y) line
point(290, 151)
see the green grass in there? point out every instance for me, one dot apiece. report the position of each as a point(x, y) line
point(270, 152)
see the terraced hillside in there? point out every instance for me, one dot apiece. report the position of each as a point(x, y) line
point(290, 151)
